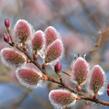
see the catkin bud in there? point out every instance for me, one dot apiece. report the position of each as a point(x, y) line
point(22, 30)
point(7, 23)
point(6, 38)
point(61, 97)
point(80, 70)
point(11, 57)
point(58, 67)
point(97, 80)
point(38, 40)
point(51, 35)
point(54, 51)
point(28, 77)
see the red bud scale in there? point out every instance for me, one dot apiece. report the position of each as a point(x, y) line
point(58, 67)
point(7, 23)
point(6, 38)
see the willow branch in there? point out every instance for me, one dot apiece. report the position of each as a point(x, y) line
point(98, 101)
point(83, 97)
point(48, 78)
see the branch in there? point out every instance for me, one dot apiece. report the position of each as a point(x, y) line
point(105, 103)
point(46, 77)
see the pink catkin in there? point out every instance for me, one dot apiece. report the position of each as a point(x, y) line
point(80, 70)
point(97, 79)
point(51, 35)
point(60, 97)
point(22, 30)
point(28, 76)
point(38, 40)
point(54, 51)
point(12, 57)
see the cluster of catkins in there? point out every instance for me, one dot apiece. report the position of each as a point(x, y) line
point(49, 47)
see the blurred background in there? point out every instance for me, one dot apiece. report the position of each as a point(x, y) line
point(84, 28)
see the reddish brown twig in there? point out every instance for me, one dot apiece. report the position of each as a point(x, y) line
point(46, 77)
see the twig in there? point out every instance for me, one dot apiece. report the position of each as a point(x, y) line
point(93, 18)
point(61, 83)
point(105, 103)
point(46, 77)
